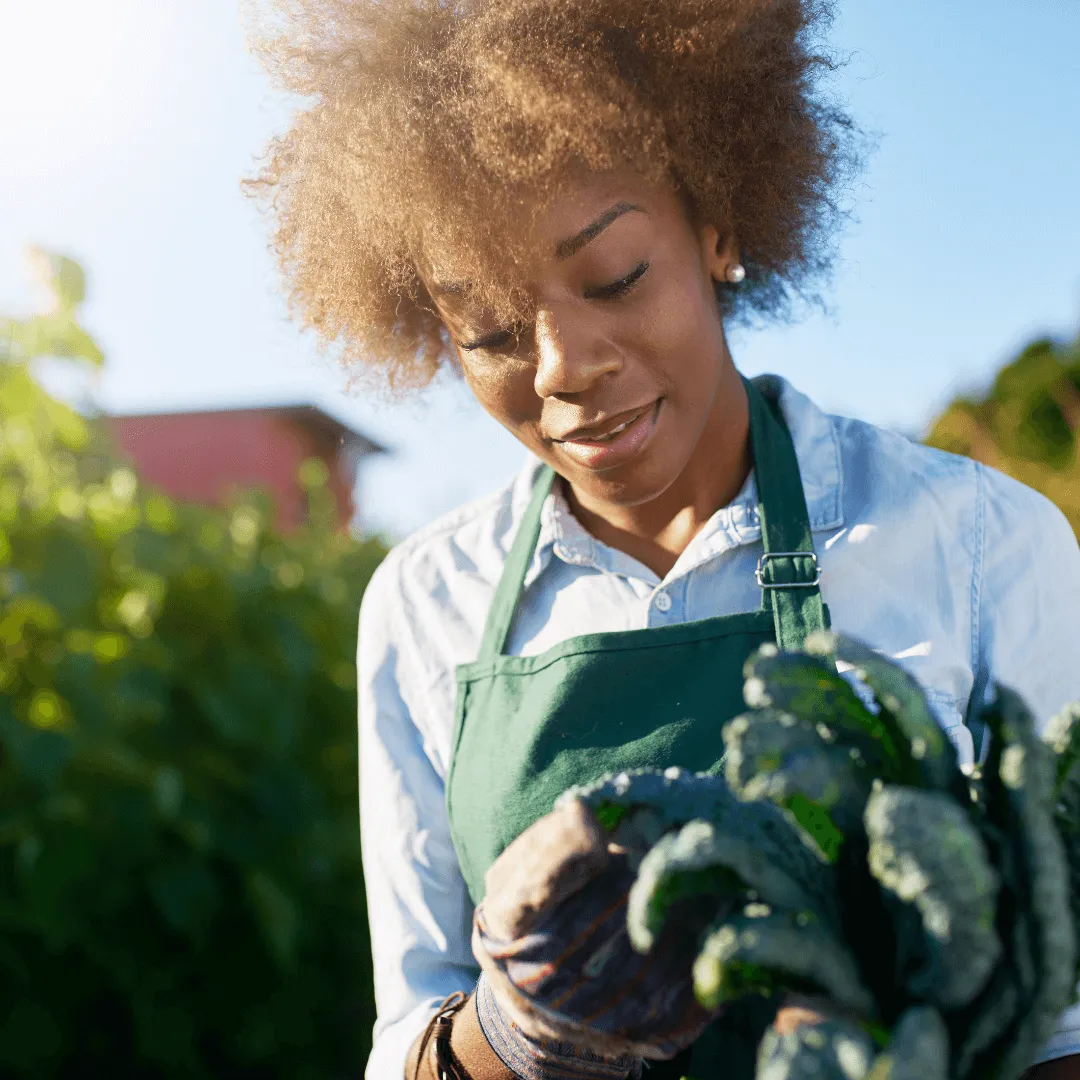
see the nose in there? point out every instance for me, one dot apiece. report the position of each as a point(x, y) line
point(571, 355)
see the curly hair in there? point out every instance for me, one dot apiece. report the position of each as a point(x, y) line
point(440, 126)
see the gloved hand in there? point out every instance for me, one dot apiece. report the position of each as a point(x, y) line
point(563, 992)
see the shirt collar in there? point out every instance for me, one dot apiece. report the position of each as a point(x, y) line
point(817, 450)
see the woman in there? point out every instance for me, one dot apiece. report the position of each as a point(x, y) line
point(569, 200)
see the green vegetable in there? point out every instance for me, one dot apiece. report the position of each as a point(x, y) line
point(922, 749)
point(833, 1050)
point(847, 857)
point(928, 856)
point(1062, 735)
point(809, 688)
point(796, 952)
point(758, 851)
point(919, 1049)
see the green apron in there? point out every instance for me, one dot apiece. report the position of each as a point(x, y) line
point(528, 727)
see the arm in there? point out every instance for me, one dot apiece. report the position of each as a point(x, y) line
point(1026, 597)
point(418, 906)
point(1028, 638)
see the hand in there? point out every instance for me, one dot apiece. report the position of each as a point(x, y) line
point(559, 973)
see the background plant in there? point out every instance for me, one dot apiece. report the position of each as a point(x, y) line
point(180, 884)
point(1026, 424)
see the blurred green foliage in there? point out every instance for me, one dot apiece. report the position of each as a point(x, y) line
point(180, 884)
point(1027, 424)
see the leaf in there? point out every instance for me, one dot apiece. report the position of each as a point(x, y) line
point(831, 1050)
point(808, 688)
point(1062, 735)
point(753, 850)
point(771, 755)
point(903, 708)
point(919, 1049)
point(927, 855)
point(746, 954)
point(62, 276)
point(1018, 782)
point(676, 796)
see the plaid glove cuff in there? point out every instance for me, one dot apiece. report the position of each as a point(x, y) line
point(533, 1059)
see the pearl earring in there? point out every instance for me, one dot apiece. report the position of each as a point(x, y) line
point(736, 273)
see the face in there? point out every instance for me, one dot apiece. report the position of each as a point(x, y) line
point(624, 368)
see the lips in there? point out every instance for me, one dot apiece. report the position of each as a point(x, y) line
point(605, 429)
point(612, 442)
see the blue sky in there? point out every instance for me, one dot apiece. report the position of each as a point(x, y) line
point(125, 126)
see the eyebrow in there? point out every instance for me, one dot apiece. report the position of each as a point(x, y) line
point(565, 248)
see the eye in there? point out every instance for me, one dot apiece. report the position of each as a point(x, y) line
point(497, 339)
point(620, 287)
point(492, 341)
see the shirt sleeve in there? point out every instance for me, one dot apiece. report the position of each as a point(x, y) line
point(419, 909)
point(1028, 600)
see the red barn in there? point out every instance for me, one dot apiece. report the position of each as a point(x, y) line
point(202, 456)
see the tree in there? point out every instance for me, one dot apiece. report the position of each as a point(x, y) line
point(1026, 424)
point(180, 884)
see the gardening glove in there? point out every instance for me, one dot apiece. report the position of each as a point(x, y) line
point(562, 986)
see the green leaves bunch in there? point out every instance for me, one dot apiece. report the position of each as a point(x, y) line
point(929, 911)
point(180, 883)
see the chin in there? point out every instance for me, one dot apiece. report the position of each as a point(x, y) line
point(633, 484)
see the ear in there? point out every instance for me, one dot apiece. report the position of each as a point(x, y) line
point(718, 255)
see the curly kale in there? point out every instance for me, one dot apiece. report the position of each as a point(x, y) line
point(846, 858)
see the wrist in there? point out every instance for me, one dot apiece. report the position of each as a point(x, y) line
point(452, 1047)
point(528, 1058)
point(471, 1048)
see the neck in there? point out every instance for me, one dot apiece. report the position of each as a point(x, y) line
point(656, 533)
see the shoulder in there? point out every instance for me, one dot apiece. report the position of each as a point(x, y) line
point(895, 462)
point(855, 472)
point(932, 489)
point(913, 469)
point(1012, 505)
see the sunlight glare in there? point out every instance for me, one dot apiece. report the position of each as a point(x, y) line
point(78, 75)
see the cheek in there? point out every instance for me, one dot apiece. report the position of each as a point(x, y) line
point(683, 334)
point(506, 391)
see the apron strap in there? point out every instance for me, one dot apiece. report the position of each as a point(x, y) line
point(516, 567)
point(788, 571)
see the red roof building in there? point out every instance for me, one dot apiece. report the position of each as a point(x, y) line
point(204, 456)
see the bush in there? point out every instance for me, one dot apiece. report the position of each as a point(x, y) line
point(180, 884)
point(1026, 424)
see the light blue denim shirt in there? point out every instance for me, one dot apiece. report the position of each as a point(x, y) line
point(958, 572)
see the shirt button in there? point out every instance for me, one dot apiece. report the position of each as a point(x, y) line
point(663, 602)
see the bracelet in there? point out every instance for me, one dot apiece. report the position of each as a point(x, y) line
point(447, 1066)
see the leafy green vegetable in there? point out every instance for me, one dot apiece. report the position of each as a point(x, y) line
point(808, 688)
point(925, 755)
point(832, 1050)
point(796, 952)
point(757, 851)
point(919, 1049)
point(774, 756)
point(929, 857)
point(847, 857)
